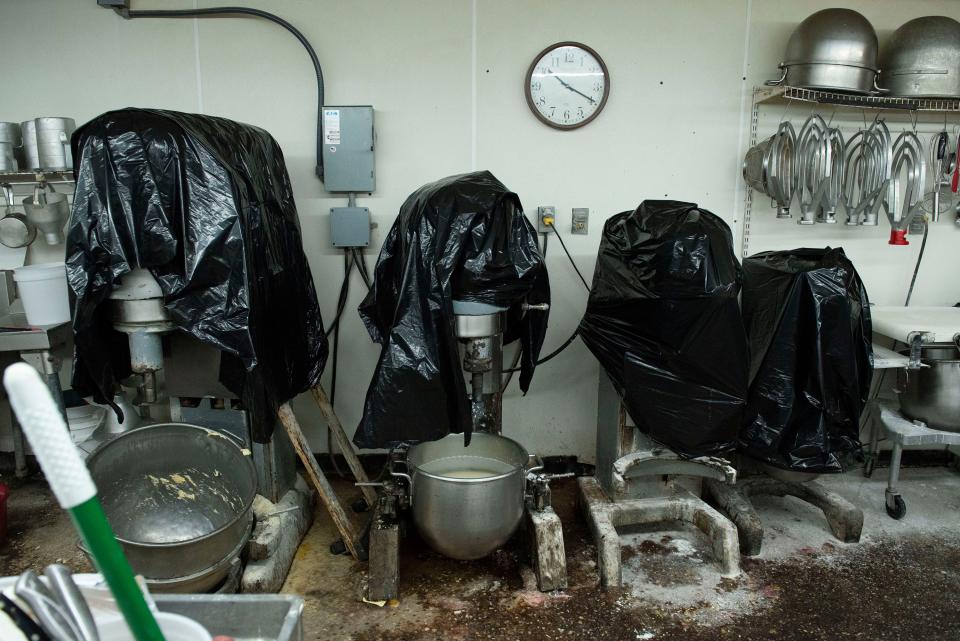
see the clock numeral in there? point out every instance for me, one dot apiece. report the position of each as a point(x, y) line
point(566, 114)
point(541, 101)
point(552, 109)
point(598, 86)
point(580, 113)
point(535, 86)
point(555, 60)
point(568, 56)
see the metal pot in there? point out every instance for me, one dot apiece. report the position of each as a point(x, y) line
point(932, 393)
point(10, 143)
point(467, 501)
point(833, 50)
point(179, 500)
point(53, 142)
point(922, 58)
point(31, 154)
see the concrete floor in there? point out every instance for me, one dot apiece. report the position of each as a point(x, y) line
point(900, 582)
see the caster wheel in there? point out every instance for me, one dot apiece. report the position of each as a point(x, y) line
point(360, 505)
point(899, 508)
point(338, 547)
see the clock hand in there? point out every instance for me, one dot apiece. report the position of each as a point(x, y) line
point(570, 87)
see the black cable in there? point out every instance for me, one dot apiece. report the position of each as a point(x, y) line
point(362, 267)
point(342, 297)
point(916, 268)
point(575, 268)
point(218, 11)
point(341, 303)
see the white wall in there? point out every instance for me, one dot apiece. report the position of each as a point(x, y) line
point(445, 78)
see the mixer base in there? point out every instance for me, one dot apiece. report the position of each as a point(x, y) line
point(605, 516)
point(844, 518)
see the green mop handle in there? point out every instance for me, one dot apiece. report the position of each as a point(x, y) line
point(71, 484)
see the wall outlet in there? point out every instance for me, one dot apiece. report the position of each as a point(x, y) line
point(546, 218)
point(580, 222)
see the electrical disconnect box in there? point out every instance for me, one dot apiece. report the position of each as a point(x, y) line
point(348, 149)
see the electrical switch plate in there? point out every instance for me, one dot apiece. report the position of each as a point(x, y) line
point(546, 211)
point(581, 219)
point(350, 227)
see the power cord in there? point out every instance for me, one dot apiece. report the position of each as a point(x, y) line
point(565, 251)
point(221, 11)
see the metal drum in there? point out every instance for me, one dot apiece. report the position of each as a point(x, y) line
point(31, 155)
point(832, 50)
point(179, 499)
point(467, 501)
point(53, 142)
point(932, 394)
point(922, 59)
point(10, 143)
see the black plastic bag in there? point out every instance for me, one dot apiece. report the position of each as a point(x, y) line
point(808, 322)
point(664, 322)
point(206, 205)
point(463, 237)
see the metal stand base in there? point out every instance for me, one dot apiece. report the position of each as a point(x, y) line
point(544, 539)
point(280, 528)
point(845, 519)
point(605, 516)
point(383, 577)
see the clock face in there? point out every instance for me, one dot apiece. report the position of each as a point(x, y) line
point(567, 85)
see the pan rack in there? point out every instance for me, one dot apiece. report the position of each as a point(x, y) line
point(784, 95)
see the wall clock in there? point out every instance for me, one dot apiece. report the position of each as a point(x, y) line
point(567, 85)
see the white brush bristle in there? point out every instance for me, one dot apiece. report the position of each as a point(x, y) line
point(48, 435)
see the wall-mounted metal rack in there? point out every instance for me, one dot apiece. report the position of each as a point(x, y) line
point(780, 95)
point(784, 96)
point(34, 177)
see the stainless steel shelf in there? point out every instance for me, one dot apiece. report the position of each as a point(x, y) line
point(33, 177)
point(773, 95)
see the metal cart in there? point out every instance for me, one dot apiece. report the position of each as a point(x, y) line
point(913, 327)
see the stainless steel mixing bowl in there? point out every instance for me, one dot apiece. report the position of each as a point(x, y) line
point(178, 497)
point(932, 393)
point(834, 50)
point(922, 58)
point(467, 501)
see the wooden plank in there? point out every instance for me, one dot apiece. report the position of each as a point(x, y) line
point(319, 481)
point(346, 447)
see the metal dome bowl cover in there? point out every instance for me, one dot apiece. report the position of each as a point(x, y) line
point(922, 59)
point(834, 50)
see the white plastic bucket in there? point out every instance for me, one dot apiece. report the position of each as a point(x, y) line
point(43, 290)
point(175, 627)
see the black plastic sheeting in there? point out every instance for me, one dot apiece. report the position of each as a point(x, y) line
point(463, 237)
point(664, 322)
point(206, 205)
point(808, 320)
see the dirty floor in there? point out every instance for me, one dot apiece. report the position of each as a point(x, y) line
point(900, 582)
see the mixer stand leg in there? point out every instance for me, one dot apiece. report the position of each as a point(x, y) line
point(383, 578)
point(545, 535)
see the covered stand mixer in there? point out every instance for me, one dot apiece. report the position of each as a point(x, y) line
point(460, 274)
